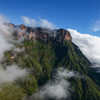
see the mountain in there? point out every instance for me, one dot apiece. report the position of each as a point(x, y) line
point(42, 52)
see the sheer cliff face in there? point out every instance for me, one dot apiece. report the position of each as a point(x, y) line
point(68, 36)
point(63, 35)
point(41, 33)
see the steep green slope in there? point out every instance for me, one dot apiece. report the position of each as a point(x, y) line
point(73, 59)
point(42, 58)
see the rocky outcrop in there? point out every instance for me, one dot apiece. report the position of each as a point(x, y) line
point(43, 34)
point(62, 35)
point(68, 36)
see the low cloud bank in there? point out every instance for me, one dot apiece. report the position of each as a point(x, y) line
point(89, 45)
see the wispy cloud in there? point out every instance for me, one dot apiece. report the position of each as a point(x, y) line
point(46, 24)
point(96, 26)
point(41, 22)
point(29, 21)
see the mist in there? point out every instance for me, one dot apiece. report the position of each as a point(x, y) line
point(59, 88)
point(11, 73)
point(89, 45)
point(5, 36)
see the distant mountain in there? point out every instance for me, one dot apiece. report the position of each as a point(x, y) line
point(42, 54)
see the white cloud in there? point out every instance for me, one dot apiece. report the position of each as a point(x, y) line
point(29, 21)
point(41, 22)
point(46, 24)
point(59, 88)
point(96, 26)
point(89, 45)
point(3, 28)
point(4, 45)
point(11, 73)
point(5, 36)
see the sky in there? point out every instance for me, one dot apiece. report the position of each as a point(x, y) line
point(82, 15)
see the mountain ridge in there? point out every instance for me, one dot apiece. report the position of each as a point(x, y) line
point(42, 54)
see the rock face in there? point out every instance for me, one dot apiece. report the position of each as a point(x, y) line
point(43, 34)
point(63, 35)
point(23, 27)
point(68, 36)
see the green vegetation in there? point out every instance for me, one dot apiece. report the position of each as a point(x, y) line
point(41, 59)
point(11, 92)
